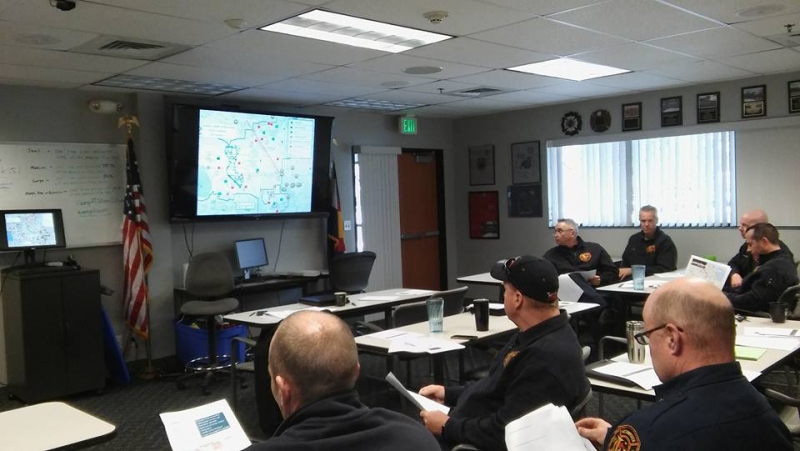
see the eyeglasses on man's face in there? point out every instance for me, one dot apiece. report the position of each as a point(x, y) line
point(643, 338)
point(560, 231)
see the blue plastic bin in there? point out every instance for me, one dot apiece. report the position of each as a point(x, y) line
point(191, 343)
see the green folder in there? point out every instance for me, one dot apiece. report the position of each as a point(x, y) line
point(746, 353)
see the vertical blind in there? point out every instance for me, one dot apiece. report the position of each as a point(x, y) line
point(690, 179)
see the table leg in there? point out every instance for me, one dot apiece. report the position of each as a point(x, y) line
point(269, 415)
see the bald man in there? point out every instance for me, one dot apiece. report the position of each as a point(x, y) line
point(313, 367)
point(704, 402)
point(744, 262)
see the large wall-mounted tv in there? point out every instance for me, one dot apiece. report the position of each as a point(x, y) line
point(234, 164)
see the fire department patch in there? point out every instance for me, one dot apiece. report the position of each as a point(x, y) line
point(625, 438)
point(585, 257)
point(651, 249)
point(509, 357)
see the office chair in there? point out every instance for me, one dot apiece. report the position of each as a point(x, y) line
point(209, 278)
point(350, 272)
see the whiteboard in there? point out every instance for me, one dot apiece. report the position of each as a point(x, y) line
point(86, 181)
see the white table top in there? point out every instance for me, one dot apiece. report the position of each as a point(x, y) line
point(358, 302)
point(49, 425)
point(651, 283)
point(481, 279)
point(766, 362)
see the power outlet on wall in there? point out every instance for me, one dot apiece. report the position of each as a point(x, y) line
point(348, 225)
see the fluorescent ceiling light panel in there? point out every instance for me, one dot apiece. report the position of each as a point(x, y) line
point(332, 27)
point(167, 85)
point(569, 69)
point(371, 104)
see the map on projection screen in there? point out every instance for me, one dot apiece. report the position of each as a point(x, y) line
point(254, 163)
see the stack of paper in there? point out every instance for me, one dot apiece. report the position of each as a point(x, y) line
point(548, 427)
point(418, 400)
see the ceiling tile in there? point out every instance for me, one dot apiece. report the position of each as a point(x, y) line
point(439, 111)
point(244, 61)
point(701, 71)
point(48, 74)
point(397, 62)
point(204, 75)
point(39, 83)
point(772, 25)
point(715, 43)
point(634, 56)
point(281, 97)
point(21, 56)
point(320, 87)
point(638, 81)
point(725, 10)
point(254, 12)
point(15, 34)
point(579, 89)
point(467, 16)
point(543, 7)
point(638, 20)
point(539, 97)
point(781, 60)
point(413, 97)
point(369, 78)
point(268, 44)
point(478, 53)
point(441, 86)
point(509, 80)
point(547, 36)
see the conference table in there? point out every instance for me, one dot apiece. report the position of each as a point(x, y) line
point(267, 320)
point(457, 329)
point(753, 369)
point(51, 425)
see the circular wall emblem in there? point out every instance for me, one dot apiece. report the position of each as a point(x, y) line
point(600, 121)
point(571, 123)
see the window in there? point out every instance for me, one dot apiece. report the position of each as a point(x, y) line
point(690, 179)
point(359, 217)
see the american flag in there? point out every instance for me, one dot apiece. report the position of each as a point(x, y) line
point(137, 250)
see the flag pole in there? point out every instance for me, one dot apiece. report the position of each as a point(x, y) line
point(149, 372)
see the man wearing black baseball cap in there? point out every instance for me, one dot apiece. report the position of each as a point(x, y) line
point(542, 363)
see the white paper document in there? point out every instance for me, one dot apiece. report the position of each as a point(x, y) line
point(780, 343)
point(208, 427)
point(415, 291)
point(568, 290)
point(716, 273)
point(394, 334)
point(418, 400)
point(546, 428)
point(641, 375)
point(422, 345)
point(586, 274)
point(771, 332)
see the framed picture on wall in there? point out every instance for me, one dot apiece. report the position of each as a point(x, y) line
point(754, 101)
point(484, 216)
point(631, 116)
point(525, 163)
point(525, 201)
point(708, 107)
point(794, 96)
point(481, 165)
point(671, 111)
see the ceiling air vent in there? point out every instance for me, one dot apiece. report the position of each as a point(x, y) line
point(119, 47)
point(482, 91)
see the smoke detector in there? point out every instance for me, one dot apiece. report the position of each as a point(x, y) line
point(435, 17)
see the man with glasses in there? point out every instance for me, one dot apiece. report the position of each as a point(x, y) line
point(704, 401)
point(542, 363)
point(775, 271)
point(650, 247)
point(744, 262)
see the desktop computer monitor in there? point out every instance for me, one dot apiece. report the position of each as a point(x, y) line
point(29, 230)
point(251, 254)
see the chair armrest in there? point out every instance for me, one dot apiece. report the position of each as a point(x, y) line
point(464, 447)
point(235, 345)
point(782, 398)
point(363, 328)
point(606, 339)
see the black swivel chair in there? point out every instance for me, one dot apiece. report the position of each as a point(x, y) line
point(209, 279)
point(350, 272)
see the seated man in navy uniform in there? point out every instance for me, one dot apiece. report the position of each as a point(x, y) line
point(542, 363)
point(650, 247)
point(704, 401)
point(775, 271)
point(744, 263)
point(573, 254)
point(313, 367)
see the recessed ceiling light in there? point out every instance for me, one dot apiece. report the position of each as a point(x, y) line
point(569, 69)
point(371, 104)
point(136, 82)
point(760, 10)
point(349, 30)
point(422, 70)
point(36, 39)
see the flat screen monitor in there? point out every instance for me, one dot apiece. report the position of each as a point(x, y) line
point(250, 254)
point(28, 230)
point(233, 164)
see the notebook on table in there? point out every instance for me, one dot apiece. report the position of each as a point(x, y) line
point(319, 300)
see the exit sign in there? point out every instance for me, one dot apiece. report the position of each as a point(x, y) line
point(408, 125)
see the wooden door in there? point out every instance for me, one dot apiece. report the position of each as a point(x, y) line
point(421, 219)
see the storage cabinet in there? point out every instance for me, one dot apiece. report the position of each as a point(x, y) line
point(54, 334)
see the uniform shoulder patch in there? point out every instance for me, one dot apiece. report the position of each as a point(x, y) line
point(651, 249)
point(509, 357)
point(625, 438)
point(585, 257)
